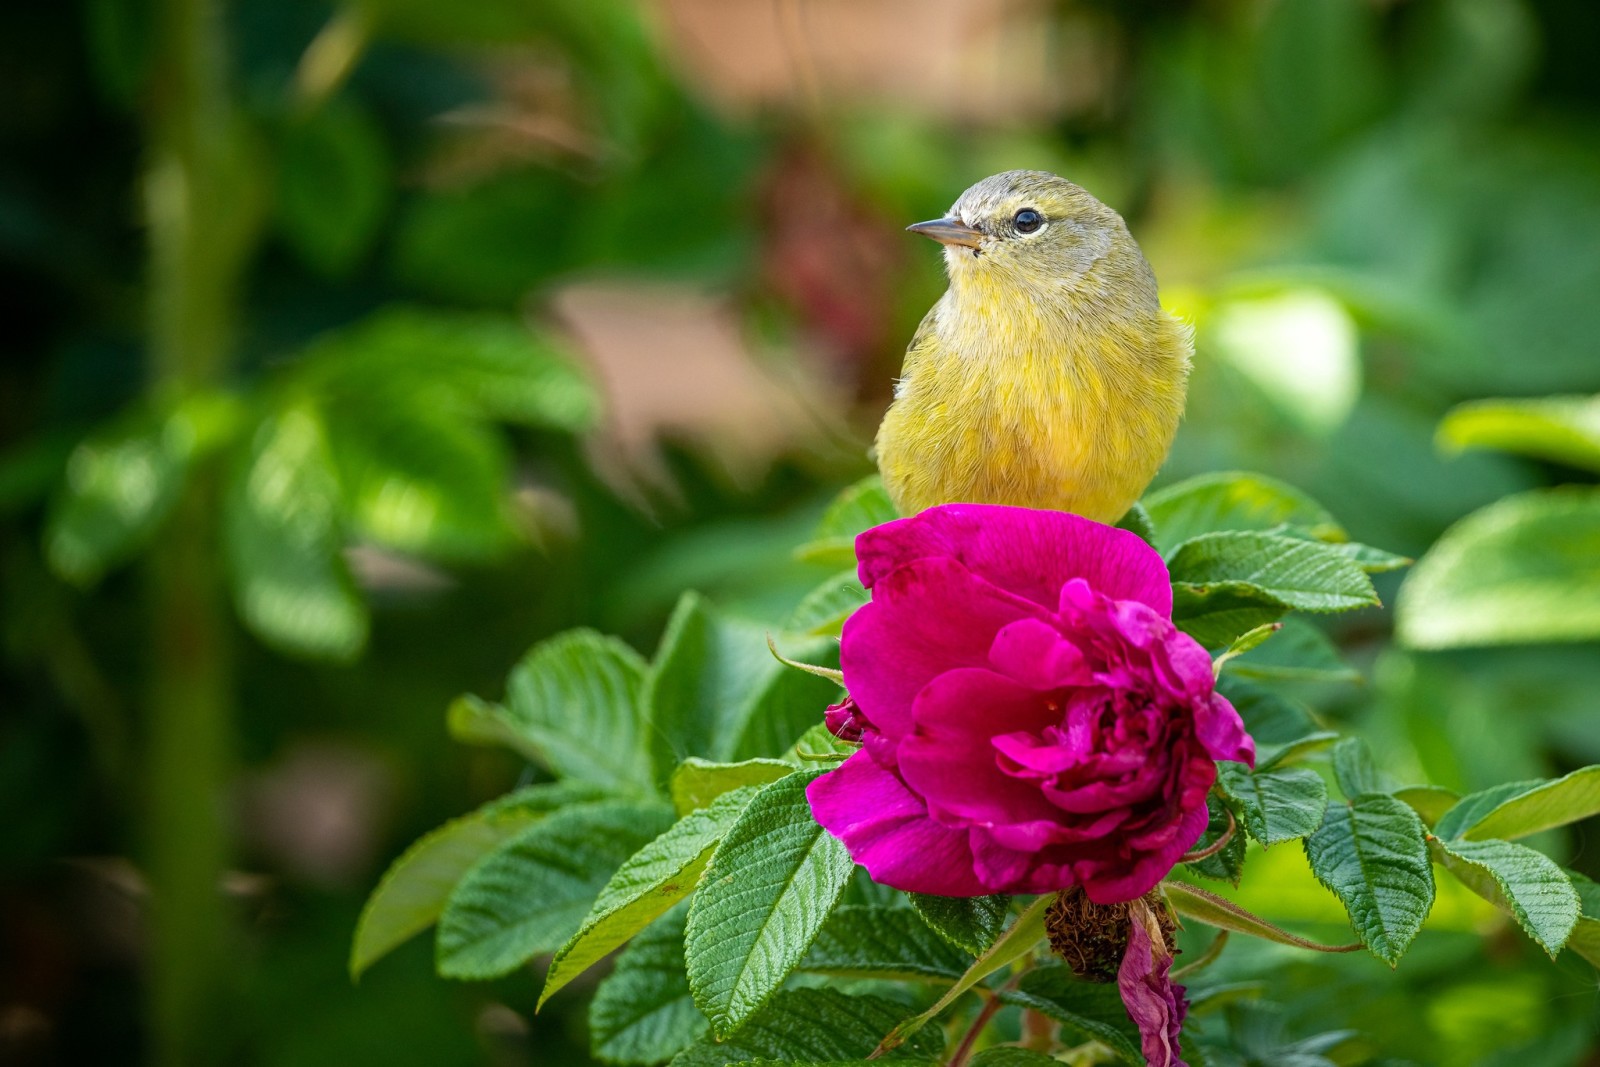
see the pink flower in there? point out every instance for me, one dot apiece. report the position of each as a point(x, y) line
point(1154, 1004)
point(1030, 717)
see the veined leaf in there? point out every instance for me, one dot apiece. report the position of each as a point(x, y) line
point(823, 610)
point(1275, 805)
point(1565, 429)
point(1527, 884)
point(817, 746)
point(770, 886)
point(1219, 613)
point(1272, 719)
point(1428, 801)
point(1226, 864)
point(530, 894)
point(697, 782)
point(1012, 1056)
point(1090, 1011)
point(1585, 937)
point(652, 880)
point(1526, 568)
point(969, 923)
point(1233, 500)
point(1372, 853)
point(643, 1013)
point(1565, 800)
point(865, 941)
point(860, 507)
point(1292, 573)
point(1355, 770)
point(811, 1026)
point(413, 891)
point(281, 524)
point(1470, 809)
point(716, 692)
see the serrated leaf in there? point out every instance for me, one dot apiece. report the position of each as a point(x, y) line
point(1228, 863)
point(1470, 809)
point(1370, 559)
point(1090, 1011)
point(529, 895)
point(867, 941)
point(577, 701)
point(643, 1013)
point(1275, 805)
point(1564, 429)
point(1585, 937)
point(282, 536)
point(1198, 904)
point(770, 886)
point(1012, 1056)
point(715, 691)
point(822, 612)
point(1269, 757)
point(860, 507)
point(1568, 799)
point(1219, 613)
point(1299, 652)
point(1355, 771)
point(697, 782)
point(1292, 573)
point(1233, 500)
point(652, 880)
point(969, 923)
point(413, 890)
point(1526, 884)
point(1373, 854)
point(120, 485)
point(811, 1026)
point(1523, 569)
point(1428, 801)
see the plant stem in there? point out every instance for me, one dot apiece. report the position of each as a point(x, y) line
point(963, 1052)
point(197, 231)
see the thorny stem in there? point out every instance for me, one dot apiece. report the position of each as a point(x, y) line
point(1216, 846)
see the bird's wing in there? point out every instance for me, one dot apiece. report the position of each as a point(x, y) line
point(921, 342)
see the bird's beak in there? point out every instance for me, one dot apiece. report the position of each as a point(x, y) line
point(948, 232)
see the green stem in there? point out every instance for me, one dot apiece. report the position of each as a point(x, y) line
point(199, 223)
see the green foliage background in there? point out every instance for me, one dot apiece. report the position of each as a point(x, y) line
point(1373, 212)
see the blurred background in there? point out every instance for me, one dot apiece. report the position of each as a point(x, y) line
point(351, 349)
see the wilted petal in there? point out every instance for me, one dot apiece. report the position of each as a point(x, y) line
point(1155, 1005)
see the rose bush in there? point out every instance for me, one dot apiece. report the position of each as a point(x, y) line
point(1030, 718)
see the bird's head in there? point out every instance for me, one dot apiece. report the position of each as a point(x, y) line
point(1034, 230)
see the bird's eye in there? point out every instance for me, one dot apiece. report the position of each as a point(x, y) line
point(1027, 220)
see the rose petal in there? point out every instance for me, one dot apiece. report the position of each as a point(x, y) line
point(1113, 878)
point(1009, 870)
point(1220, 729)
point(1034, 653)
point(1154, 1003)
point(887, 830)
point(924, 619)
point(1030, 553)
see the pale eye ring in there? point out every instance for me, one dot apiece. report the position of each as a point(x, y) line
point(1027, 221)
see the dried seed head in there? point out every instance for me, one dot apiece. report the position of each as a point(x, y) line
point(1092, 938)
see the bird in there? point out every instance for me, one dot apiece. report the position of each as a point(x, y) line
point(1048, 375)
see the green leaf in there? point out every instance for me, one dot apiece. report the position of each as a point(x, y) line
point(1355, 770)
point(823, 610)
point(1526, 568)
point(1275, 805)
point(1090, 1011)
point(1218, 614)
point(816, 746)
point(1227, 864)
point(1470, 809)
point(1372, 560)
point(1564, 429)
point(1012, 1056)
point(1292, 573)
point(333, 185)
point(1550, 804)
point(860, 507)
point(715, 691)
point(643, 1013)
point(810, 1026)
point(1300, 652)
point(120, 486)
point(1272, 719)
point(1585, 937)
point(1017, 941)
point(1195, 903)
point(1269, 757)
point(1233, 500)
point(577, 701)
point(283, 536)
point(1372, 853)
point(530, 894)
point(1428, 801)
point(654, 879)
point(1137, 521)
point(866, 941)
point(413, 890)
point(969, 923)
point(697, 782)
point(1527, 884)
point(1244, 643)
point(771, 884)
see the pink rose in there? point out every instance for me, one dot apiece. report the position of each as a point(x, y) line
point(1030, 718)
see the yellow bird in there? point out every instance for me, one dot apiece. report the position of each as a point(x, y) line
point(1048, 375)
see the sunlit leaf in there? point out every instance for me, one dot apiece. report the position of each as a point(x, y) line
point(811, 1026)
point(1527, 884)
point(1564, 429)
point(1371, 852)
point(642, 1013)
point(861, 941)
point(1232, 500)
point(860, 507)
